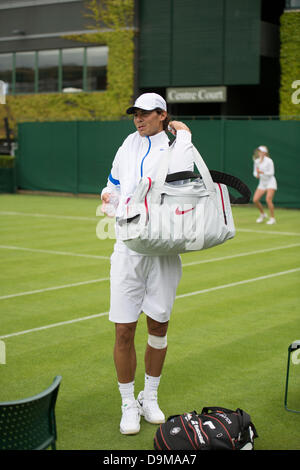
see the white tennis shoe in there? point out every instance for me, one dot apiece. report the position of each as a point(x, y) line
point(149, 408)
point(271, 221)
point(130, 421)
point(261, 218)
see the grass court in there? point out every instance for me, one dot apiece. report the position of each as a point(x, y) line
point(236, 313)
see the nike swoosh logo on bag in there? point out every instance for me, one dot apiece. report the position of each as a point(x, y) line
point(179, 212)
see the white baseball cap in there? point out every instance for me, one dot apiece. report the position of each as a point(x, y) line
point(148, 102)
point(263, 148)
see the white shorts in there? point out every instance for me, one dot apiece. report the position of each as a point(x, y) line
point(269, 183)
point(141, 283)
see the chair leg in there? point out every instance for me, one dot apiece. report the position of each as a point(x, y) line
point(291, 348)
point(287, 379)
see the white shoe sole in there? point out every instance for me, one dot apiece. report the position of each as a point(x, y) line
point(156, 421)
point(151, 421)
point(130, 432)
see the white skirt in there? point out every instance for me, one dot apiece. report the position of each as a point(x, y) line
point(267, 183)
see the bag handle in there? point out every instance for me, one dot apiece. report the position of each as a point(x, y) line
point(198, 160)
point(244, 418)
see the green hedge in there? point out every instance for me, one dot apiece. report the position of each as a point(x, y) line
point(7, 174)
point(289, 61)
point(7, 161)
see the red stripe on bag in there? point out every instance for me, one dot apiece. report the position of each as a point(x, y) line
point(157, 444)
point(146, 202)
point(162, 436)
point(195, 435)
point(223, 205)
point(187, 433)
point(201, 428)
point(229, 436)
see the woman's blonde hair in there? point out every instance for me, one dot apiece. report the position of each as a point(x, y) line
point(255, 153)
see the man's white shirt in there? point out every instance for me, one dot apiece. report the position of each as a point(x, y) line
point(141, 156)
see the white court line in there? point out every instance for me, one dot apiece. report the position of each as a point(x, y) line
point(38, 291)
point(267, 232)
point(66, 253)
point(51, 216)
point(51, 252)
point(233, 284)
point(192, 263)
point(189, 294)
point(256, 252)
point(70, 217)
point(68, 322)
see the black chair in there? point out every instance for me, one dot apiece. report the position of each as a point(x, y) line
point(30, 424)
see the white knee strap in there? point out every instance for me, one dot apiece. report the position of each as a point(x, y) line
point(157, 342)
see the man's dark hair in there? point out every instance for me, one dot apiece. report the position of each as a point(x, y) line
point(166, 120)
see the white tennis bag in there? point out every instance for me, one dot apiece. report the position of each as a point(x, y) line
point(165, 218)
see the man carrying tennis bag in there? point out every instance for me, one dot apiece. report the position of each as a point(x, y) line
point(179, 213)
point(164, 209)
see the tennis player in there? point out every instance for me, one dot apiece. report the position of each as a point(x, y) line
point(141, 283)
point(265, 172)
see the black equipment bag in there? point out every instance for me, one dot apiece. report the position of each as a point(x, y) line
point(216, 428)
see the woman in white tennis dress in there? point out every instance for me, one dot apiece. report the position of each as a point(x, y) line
point(265, 172)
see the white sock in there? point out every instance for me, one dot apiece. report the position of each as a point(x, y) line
point(151, 385)
point(127, 392)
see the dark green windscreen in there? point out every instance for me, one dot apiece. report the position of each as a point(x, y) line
point(197, 46)
point(76, 157)
point(198, 42)
point(241, 42)
point(154, 49)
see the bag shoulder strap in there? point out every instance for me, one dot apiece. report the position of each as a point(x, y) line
point(204, 171)
point(199, 162)
point(235, 183)
point(208, 177)
point(181, 175)
point(217, 177)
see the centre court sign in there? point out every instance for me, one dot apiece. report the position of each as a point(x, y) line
point(213, 94)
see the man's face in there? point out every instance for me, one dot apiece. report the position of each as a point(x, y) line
point(148, 123)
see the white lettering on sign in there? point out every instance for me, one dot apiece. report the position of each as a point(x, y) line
point(296, 95)
point(196, 95)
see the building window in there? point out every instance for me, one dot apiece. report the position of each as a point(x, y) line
point(6, 67)
point(78, 68)
point(25, 72)
point(48, 71)
point(292, 4)
point(72, 68)
point(96, 62)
